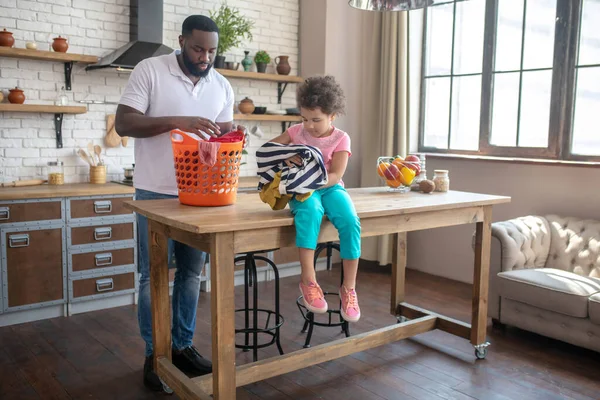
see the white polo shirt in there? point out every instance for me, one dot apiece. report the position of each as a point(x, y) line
point(158, 87)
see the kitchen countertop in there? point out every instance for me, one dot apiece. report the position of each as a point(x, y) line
point(86, 189)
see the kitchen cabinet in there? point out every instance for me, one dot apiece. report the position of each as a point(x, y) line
point(65, 249)
point(33, 267)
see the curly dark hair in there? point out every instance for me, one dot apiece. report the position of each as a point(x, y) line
point(321, 92)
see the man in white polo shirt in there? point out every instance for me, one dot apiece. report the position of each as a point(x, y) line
point(176, 91)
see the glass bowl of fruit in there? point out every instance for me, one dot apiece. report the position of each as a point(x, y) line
point(398, 173)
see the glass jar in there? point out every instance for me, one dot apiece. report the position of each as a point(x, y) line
point(441, 180)
point(422, 174)
point(56, 174)
point(62, 99)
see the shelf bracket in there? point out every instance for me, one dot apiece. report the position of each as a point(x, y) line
point(280, 89)
point(68, 70)
point(58, 118)
point(283, 128)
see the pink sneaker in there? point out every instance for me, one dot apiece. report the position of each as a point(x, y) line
point(313, 298)
point(350, 310)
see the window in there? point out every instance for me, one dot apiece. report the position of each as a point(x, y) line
point(511, 78)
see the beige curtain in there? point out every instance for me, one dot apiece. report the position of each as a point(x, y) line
point(384, 119)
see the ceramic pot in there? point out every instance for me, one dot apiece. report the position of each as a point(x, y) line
point(283, 66)
point(246, 106)
point(247, 61)
point(220, 62)
point(16, 96)
point(6, 38)
point(261, 67)
point(60, 45)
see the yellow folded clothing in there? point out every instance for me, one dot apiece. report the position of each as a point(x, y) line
point(270, 194)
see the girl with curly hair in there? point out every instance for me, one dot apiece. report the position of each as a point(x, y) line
point(321, 100)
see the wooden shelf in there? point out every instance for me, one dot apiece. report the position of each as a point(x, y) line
point(67, 58)
point(42, 108)
point(58, 112)
point(229, 73)
point(46, 55)
point(267, 117)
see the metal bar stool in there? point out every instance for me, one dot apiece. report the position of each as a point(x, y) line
point(251, 328)
point(309, 317)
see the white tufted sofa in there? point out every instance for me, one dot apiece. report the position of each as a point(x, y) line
point(545, 277)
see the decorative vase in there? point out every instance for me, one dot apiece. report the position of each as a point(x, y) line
point(16, 96)
point(60, 44)
point(283, 66)
point(6, 38)
point(261, 67)
point(220, 62)
point(246, 106)
point(247, 61)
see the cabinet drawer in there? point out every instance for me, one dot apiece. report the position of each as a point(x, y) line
point(11, 213)
point(102, 259)
point(101, 233)
point(34, 266)
point(99, 207)
point(103, 285)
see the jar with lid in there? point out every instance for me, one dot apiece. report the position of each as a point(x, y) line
point(56, 175)
point(441, 180)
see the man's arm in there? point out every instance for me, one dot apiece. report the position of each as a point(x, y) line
point(131, 122)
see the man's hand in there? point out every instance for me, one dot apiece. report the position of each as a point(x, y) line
point(197, 125)
point(294, 160)
point(243, 129)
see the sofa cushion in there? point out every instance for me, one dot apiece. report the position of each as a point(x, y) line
point(550, 289)
point(595, 308)
point(575, 245)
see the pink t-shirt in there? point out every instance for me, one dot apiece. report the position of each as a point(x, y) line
point(337, 141)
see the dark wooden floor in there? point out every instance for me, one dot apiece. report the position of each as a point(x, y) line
point(99, 355)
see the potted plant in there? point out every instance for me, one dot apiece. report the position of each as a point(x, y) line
point(262, 58)
point(233, 29)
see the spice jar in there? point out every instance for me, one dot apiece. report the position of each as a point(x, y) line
point(56, 175)
point(441, 180)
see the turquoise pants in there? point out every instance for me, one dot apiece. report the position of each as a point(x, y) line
point(334, 202)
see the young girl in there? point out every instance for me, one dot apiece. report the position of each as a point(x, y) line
point(320, 100)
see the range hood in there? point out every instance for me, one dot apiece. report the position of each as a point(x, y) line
point(145, 38)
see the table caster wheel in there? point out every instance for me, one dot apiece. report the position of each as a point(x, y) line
point(481, 350)
point(480, 354)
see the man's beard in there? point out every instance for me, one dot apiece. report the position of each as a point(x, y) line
point(194, 68)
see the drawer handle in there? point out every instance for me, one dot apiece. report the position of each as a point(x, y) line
point(102, 233)
point(4, 213)
point(102, 207)
point(103, 259)
point(105, 285)
point(18, 241)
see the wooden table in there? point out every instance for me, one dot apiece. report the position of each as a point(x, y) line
point(252, 225)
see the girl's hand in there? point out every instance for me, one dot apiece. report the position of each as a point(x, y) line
point(297, 160)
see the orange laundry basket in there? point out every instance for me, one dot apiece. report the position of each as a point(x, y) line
point(199, 184)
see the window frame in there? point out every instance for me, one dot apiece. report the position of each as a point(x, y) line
point(563, 86)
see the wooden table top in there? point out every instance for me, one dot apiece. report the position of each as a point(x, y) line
point(46, 191)
point(250, 212)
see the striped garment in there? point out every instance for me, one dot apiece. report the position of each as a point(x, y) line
point(312, 175)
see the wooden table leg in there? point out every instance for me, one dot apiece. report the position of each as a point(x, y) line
point(481, 278)
point(159, 293)
point(223, 315)
point(398, 270)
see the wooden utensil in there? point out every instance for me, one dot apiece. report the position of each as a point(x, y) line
point(83, 155)
point(98, 151)
point(29, 182)
point(90, 148)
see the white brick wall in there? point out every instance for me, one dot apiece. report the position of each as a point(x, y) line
point(96, 27)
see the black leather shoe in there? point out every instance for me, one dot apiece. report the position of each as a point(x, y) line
point(151, 380)
point(190, 361)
